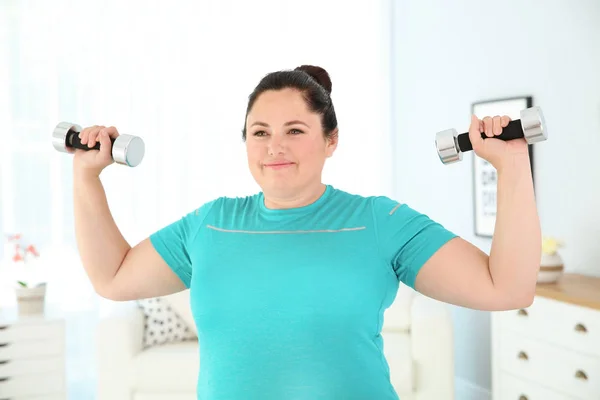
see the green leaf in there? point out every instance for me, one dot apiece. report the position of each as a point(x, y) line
point(22, 283)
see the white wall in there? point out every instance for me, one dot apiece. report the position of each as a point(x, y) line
point(450, 54)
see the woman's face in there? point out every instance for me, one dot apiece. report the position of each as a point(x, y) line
point(285, 143)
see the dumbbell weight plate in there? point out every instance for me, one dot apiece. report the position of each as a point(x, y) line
point(447, 148)
point(126, 149)
point(533, 124)
point(60, 133)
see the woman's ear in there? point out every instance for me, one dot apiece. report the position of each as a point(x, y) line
point(332, 142)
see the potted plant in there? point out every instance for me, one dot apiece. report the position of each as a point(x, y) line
point(30, 289)
point(551, 264)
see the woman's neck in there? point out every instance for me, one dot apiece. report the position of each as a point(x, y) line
point(297, 199)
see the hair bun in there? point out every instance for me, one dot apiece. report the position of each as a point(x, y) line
point(319, 74)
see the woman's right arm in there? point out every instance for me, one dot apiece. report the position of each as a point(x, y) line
point(116, 270)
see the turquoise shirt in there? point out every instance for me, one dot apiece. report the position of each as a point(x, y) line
point(289, 303)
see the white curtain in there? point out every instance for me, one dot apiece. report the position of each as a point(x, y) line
point(178, 74)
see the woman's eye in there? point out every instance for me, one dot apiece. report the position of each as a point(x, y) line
point(292, 131)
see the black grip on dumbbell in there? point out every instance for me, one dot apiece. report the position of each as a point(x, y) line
point(513, 130)
point(74, 141)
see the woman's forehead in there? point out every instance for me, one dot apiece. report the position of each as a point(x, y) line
point(272, 110)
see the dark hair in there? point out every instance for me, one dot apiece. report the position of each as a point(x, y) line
point(312, 81)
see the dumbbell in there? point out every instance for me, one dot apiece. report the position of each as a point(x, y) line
point(531, 126)
point(126, 149)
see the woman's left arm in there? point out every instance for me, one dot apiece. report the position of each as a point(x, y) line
point(459, 272)
point(517, 243)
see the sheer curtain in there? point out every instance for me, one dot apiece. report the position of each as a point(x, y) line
point(177, 74)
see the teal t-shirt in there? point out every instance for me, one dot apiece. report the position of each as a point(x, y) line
point(289, 303)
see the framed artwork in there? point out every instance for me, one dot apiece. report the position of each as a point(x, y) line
point(484, 174)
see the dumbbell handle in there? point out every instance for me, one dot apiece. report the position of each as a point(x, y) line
point(73, 140)
point(531, 126)
point(513, 130)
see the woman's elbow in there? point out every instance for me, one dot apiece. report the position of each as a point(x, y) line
point(515, 301)
point(525, 300)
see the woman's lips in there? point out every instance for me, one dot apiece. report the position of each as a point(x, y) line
point(279, 165)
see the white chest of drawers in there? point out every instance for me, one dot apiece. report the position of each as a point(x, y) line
point(551, 350)
point(32, 357)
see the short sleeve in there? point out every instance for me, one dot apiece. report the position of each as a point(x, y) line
point(173, 242)
point(407, 238)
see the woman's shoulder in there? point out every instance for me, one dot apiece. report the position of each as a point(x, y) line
point(376, 200)
point(229, 203)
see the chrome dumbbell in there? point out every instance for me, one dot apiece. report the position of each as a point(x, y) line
point(531, 126)
point(126, 149)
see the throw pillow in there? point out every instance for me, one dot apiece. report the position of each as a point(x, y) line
point(162, 324)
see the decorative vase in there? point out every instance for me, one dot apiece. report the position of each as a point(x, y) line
point(551, 268)
point(31, 300)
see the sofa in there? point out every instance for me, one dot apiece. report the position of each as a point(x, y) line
point(418, 345)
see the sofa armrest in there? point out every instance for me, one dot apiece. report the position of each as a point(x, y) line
point(432, 339)
point(119, 338)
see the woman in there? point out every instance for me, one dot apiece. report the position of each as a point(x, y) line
point(289, 286)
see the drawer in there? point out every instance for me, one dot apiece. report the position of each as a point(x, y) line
point(551, 366)
point(33, 385)
point(11, 368)
point(576, 328)
point(26, 332)
point(513, 388)
point(32, 349)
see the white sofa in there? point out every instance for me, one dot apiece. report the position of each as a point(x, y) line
point(418, 342)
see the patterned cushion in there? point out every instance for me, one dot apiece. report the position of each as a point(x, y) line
point(162, 324)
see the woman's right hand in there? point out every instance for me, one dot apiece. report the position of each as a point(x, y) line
point(94, 161)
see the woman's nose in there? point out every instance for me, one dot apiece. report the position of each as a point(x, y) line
point(276, 144)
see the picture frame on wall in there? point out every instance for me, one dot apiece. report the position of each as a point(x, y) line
point(485, 180)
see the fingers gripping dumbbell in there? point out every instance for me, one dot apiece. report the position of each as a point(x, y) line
point(532, 126)
point(126, 149)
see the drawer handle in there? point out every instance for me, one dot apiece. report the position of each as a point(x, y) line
point(523, 356)
point(522, 312)
point(4, 378)
point(581, 375)
point(4, 344)
point(522, 397)
point(580, 328)
point(2, 362)
point(3, 327)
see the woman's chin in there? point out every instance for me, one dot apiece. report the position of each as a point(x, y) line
point(278, 186)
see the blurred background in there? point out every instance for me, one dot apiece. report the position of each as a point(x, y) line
point(179, 73)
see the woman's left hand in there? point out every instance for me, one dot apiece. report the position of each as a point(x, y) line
point(495, 151)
